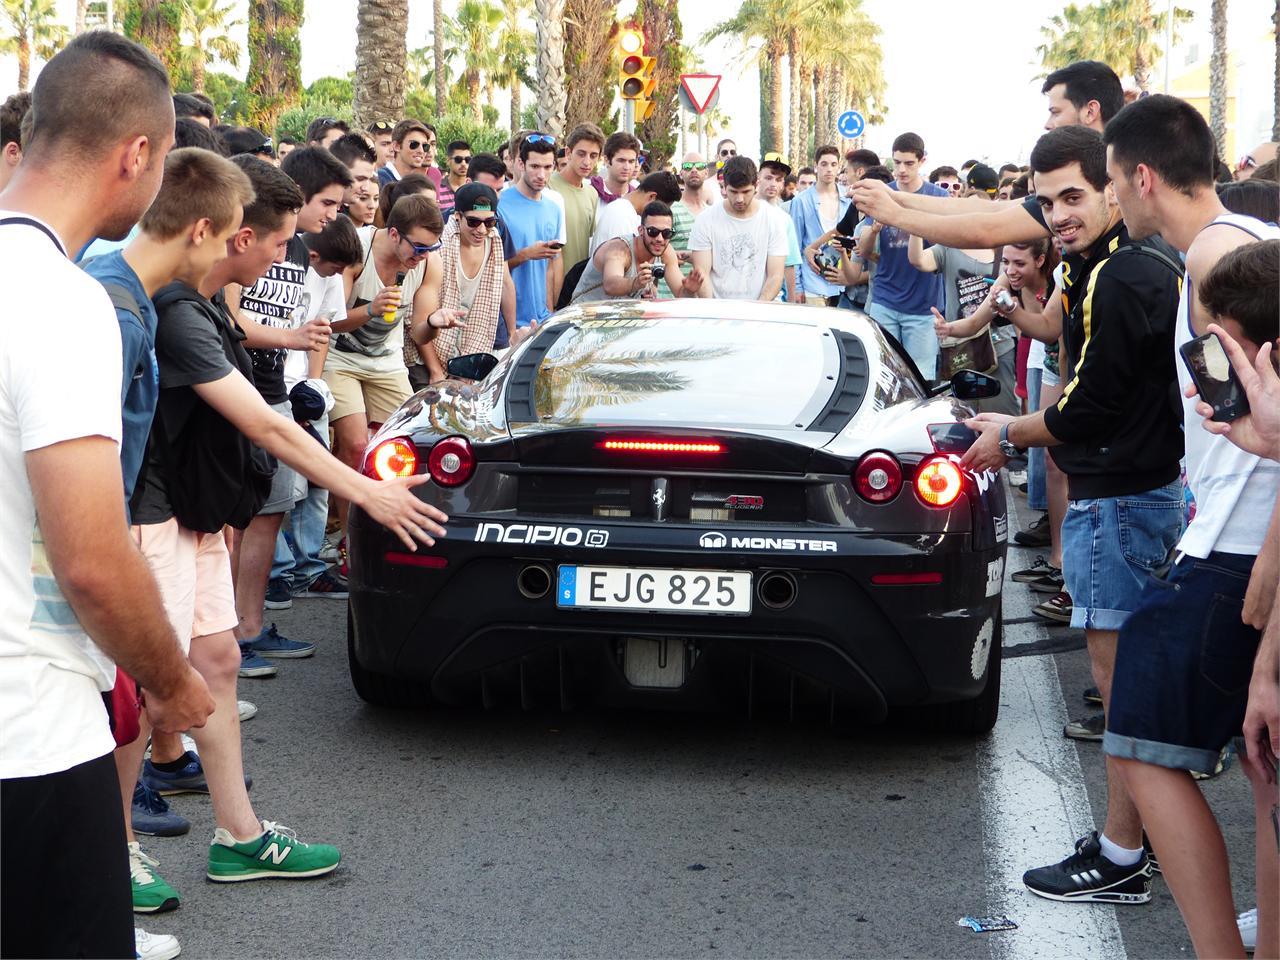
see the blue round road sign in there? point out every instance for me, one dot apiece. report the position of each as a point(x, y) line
point(851, 124)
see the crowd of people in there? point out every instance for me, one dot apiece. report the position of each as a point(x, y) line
point(236, 314)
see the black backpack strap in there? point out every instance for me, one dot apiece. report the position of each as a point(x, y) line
point(122, 298)
point(1176, 266)
point(29, 222)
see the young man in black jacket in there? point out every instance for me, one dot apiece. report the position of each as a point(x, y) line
point(1116, 434)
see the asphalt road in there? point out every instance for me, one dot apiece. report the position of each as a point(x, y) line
point(632, 835)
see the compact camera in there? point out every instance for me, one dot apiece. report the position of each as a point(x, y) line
point(1004, 300)
point(659, 271)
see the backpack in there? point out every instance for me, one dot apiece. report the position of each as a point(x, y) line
point(214, 475)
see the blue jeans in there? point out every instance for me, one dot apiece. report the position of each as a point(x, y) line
point(1110, 545)
point(298, 546)
point(1037, 498)
point(915, 333)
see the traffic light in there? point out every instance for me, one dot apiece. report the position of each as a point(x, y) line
point(635, 74)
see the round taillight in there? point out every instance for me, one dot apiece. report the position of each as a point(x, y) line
point(393, 458)
point(878, 477)
point(939, 482)
point(451, 462)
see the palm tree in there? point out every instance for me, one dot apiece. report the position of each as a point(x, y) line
point(204, 26)
point(155, 24)
point(275, 70)
point(514, 46)
point(549, 15)
point(437, 49)
point(663, 33)
point(82, 7)
point(767, 23)
point(1126, 34)
point(1275, 104)
point(381, 51)
point(35, 30)
point(1218, 74)
point(470, 32)
point(590, 32)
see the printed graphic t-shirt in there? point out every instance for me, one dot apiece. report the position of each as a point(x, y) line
point(278, 299)
point(740, 249)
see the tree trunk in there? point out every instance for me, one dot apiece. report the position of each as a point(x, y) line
point(776, 103)
point(473, 93)
point(1141, 69)
point(1218, 75)
point(24, 62)
point(821, 106)
point(767, 144)
point(81, 6)
point(437, 45)
point(806, 112)
point(154, 24)
point(380, 57)
point(274, 81)
point(589, 35)
point(515, 105)
point(795, 152)
point(1275, 103)
point(551, 82)
point(197, 69)
point(663, 32)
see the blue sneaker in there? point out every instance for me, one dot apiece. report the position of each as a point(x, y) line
point(252, 665)
point(190, 779)
point(151, 815)
point(269, 643)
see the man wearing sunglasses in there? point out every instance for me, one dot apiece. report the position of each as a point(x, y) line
point(1251, 161)
point(693, 171)
point(380, 131)
point(459, 154)
point(536, 224)
point(413, 147)
point(726, 149)
point(623, 268)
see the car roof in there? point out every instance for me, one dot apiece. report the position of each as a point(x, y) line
point(698, 308)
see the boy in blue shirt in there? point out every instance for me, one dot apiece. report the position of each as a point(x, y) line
point(534, 224)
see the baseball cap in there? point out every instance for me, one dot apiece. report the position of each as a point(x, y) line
point(982, 177)
point(775, 161)
point(475, 196)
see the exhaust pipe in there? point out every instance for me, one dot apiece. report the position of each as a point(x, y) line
point(777, 591)
point(534, 581)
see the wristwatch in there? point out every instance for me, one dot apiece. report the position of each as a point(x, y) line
point(1006, 445)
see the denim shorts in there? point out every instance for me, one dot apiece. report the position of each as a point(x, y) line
point(1183, 666)
point(1109, 546)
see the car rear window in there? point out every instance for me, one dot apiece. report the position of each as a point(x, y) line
point(675, 370)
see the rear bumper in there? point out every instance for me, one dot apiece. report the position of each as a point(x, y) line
point(468, 630)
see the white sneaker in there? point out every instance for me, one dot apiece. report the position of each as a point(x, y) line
point(1248, 924)
point(247, 710)
point(155, 946)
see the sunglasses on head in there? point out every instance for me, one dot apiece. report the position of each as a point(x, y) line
point(694, 165)
point(475, 223)
point(663, 232)
point(381, 126)
point(540, 138)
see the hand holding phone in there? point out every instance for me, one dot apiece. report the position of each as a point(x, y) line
point(1214, 378)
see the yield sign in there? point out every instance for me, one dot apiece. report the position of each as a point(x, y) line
point(700, 87)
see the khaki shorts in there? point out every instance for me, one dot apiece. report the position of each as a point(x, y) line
point(193, 571)
point(376, 395)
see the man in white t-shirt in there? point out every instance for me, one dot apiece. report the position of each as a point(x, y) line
point(1186, 655)
point(75, 574)
point(740, 244)
point(621, 218)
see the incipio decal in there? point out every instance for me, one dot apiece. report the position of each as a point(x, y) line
point(984, 480)
point(535, 533)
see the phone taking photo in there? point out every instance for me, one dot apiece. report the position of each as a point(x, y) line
point(1216, 382)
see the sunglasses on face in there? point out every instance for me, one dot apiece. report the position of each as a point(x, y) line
point(422, 249)
point(460, 158)
point(694, 165)
point(417, 144)
point(728, 153)
point(475, 223)
point(948, 185)
point(654, 232)
point(540, 138)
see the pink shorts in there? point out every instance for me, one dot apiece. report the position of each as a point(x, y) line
point(193, 571)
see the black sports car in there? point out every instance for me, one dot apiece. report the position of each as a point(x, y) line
point(690, 503)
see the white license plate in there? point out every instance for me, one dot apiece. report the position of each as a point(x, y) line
point(654, 590)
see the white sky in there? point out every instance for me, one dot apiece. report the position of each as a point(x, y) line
point(961, 78)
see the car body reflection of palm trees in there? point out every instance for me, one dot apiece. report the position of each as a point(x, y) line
point(584, 378)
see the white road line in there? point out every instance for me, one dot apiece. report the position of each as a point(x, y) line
point(1034, 806)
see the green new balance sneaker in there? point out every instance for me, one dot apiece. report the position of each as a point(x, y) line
point(277, 853)
point(150, 893)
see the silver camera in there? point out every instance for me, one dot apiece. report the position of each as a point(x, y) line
point(1004, 300)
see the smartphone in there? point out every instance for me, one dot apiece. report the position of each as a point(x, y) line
point(849, 243)
point(555, 244)
point(1216, 382)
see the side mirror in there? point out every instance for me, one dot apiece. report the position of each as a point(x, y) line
point(971, 385)
point(473, 366)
